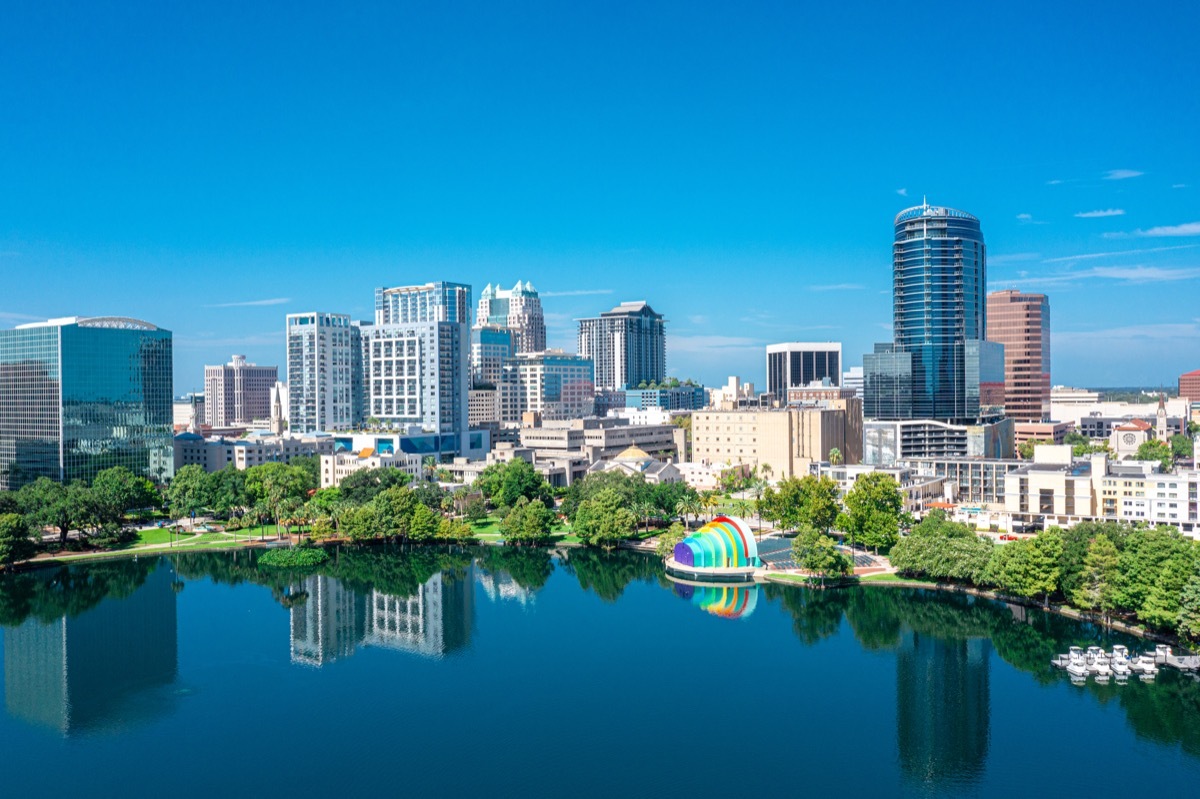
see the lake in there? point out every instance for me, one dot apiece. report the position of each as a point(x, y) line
point(501, 672)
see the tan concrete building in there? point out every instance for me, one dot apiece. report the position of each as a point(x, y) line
point(787, 440)
point(1050, 432)
point(338, 466)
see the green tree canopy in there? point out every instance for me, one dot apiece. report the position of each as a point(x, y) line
point(15, 541)
point(603, 519)
point(817, 554)
point(1155, 450)
point(362, 486)
point(874, 507)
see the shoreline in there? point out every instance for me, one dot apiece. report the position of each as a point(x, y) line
point(954, 588)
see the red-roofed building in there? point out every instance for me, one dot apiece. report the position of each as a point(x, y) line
point(1127, 437)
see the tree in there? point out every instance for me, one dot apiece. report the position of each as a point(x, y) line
point(15, 543)
point(943, 549)
point(1097, 589)
point(816, 553)
point(514, 480)
point(188, 492)
point(603, 519)
point(423, 523)
point(311, 466)
point(1155, 450)
point(1027, 447)
point(364, 485)
point(835, 456)
point(1181, 446)
point(475, 510)
point(873, 510)
point(116, 490)
point(1189, 609)
point(225, 491)
point(1154, 563)
point(394, 509)
point(1028, 568)
point(689, 506)
point(46, 503)
point(664, 545)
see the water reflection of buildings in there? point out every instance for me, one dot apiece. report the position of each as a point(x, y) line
point(942, 708)
point(500, 586)
point(105, 668)
point(336, 620)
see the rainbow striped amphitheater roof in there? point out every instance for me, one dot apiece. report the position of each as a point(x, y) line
point(723, 543)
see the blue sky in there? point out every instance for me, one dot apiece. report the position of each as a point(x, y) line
point(211, 167)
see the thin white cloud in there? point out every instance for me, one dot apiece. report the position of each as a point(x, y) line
point(1166, 331)
point(16, 318)
point(837, 287)
point(1126, 275)
point(251, 303)
point(1122, 174)
point(1025, 217)
point(1090, 255)
point(698, 319)
point(1013, 257)
point(1179, 185)
point(575, 293)
point(1100, 214)
point(1054, 182)
point(902, 192)
point(1186, 229)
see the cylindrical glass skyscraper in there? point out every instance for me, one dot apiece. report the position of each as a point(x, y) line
point(939, 284)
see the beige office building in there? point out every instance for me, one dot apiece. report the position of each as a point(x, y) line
point(787, 440)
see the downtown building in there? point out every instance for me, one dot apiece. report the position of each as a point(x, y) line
point(797, 364)
point(415, 362)
point(1021, 324)
point(324, 370)
point(238, 393)
point(79, 395)
point(628, 346)
point(518, 310)
point(937, 389)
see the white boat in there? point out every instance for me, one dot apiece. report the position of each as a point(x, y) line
point(1120, 651)
point(1077, 667)
point(1144, 666)
point(1100, 668)
point(1120, 666)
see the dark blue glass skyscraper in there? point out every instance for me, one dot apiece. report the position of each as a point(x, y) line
point(939, 364)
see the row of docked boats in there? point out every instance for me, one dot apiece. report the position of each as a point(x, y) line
point(1120, 663)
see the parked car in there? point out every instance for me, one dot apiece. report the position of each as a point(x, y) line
point(1008, 537)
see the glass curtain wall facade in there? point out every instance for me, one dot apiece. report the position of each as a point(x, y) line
point(432, 302)
point(800, 364)
point(81, 395)
point(939, 320)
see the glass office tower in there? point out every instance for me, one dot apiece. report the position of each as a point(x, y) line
point(79, 395)
point(939, 351)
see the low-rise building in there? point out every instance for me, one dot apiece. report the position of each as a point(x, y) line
point(685, 397)
point(889, 442)
point(1048, 432)
point(920, 491)
point(339, 465)
point(214, 454)
point(635, 461)
point(979, 481)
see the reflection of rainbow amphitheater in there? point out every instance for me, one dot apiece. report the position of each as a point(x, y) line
point(723, 551)
point(729, 601)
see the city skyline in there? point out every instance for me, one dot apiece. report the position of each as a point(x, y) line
point(737, 169)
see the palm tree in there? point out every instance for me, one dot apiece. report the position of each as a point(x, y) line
point(643, 509)
point(835, 456)
point(767, 472)
point(709, 501)
point(430, 465)
point(688, 506)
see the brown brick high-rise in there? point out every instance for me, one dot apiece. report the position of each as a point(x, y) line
point(1021, 322)
point(1189, 385)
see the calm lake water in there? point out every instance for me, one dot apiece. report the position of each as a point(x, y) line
point(514, 673)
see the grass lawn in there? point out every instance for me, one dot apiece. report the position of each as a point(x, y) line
point(894, 578)
point(157, 535)
point(791, 578)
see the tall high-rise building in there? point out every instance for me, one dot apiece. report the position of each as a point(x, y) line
point(1021, 323)
point(324, 370)
point(78, 395)
point(798, 363)
point(491, 346)
point(519, 309)
point(555, 384)
point(416, 361)
point(432, 302)
point(238, 393)
point(628, 345)
point(939, 365)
